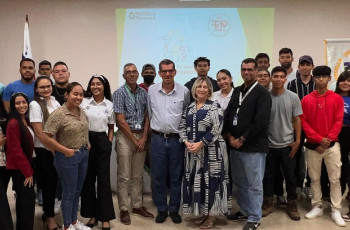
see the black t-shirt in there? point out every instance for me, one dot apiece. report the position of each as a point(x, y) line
point(58, 93)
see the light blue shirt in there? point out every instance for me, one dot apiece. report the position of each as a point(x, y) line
point(165, 110)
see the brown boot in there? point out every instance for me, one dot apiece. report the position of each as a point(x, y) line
point(292, 210)
point(268, 206)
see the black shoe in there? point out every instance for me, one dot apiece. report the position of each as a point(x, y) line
point(251, 226)
point(175, 217)
point(93, 224)
point(161, 217)
point(238, 216)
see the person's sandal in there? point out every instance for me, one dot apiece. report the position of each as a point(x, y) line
point(200, 220)
point(208, 223)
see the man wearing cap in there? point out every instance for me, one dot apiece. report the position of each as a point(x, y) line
point(202, 67)
point(302, 86)
point(148, 73)
point(286, 59)
point(130, 107)
point(322, 120)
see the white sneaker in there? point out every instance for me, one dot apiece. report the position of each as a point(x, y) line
point(315, 212)
point(57, 207)
point(336, 217)
point(71, 227)
point(80, 226)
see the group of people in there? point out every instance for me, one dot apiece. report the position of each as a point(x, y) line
point(202, 139)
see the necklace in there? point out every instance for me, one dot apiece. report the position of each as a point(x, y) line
point(61, 95)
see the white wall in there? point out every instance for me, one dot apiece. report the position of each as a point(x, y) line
point(83, 33)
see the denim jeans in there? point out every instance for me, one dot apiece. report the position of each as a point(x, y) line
point(247, 171)
point(72, 172)
point(167, 155)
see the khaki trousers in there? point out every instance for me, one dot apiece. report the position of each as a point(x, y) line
point(333, 164)
point(129, 172)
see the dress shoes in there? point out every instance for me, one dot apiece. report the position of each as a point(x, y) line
point(142, 211)
point(125, 217)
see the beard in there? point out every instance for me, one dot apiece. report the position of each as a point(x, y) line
point(286, 65)
point(27, 79)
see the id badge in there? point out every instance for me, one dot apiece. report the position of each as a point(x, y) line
point(138, 127)
point(234, 122)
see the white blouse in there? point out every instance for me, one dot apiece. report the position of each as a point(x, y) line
point(99, 115)
point(223, 101)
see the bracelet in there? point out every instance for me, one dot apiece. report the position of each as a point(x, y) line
point(241, 140)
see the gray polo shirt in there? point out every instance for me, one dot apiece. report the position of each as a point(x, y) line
point(165, 110)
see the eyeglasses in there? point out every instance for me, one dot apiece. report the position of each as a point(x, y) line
point(170, 71)
point(45, 87)
point(128, 73)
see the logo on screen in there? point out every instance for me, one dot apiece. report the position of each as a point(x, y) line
point(142, 15)
point(219, 25)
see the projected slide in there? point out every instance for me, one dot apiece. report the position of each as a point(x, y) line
point(224, 35)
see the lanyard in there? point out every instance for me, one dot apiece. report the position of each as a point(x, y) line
point(241, 99)
point(131, 95)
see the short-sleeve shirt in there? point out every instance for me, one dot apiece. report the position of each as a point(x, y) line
point(134, 108)
point(346, 110)
point(99, 115)
point(36, 115)
point(19, 86)
point(284, 108)
point(165, 110)
point(70, 131)
point(223, 101)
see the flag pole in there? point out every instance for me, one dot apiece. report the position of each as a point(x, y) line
point(27, 20)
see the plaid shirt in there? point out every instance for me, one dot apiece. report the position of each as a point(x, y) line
point(134, 111)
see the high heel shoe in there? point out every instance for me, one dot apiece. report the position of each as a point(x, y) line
point(46, 226)
point(91, 225)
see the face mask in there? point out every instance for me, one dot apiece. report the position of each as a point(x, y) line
point(148, 79)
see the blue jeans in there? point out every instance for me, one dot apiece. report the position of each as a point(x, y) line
point(167, 155)
point(72, 172)
point(247, 170)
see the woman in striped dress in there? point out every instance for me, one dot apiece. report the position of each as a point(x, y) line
point(206, 189)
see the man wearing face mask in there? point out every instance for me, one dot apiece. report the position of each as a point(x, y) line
point(148, 73)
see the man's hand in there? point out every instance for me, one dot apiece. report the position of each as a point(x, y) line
point(294, 146)
point(236, 143)
point(325, 143)
point(141, 144)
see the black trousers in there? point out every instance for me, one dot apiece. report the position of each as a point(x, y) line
point(25, 201)
point(280, 158)
point(5, 213)
point(98, 205)
point(47, 172)
point(344, 141)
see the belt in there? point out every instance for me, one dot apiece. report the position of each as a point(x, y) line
point(137, 131)
point(166, 135)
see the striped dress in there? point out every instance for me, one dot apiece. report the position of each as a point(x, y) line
point(206, 189)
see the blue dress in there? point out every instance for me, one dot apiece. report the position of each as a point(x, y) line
point(206, 189)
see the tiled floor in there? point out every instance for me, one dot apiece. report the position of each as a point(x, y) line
point(277, 220)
